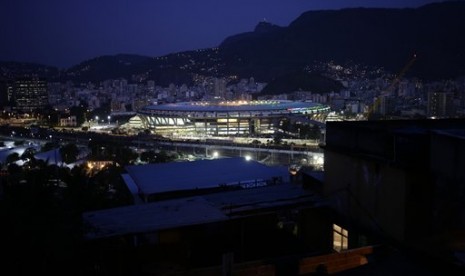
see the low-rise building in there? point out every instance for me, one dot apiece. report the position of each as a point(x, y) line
point(228, 215)
point(404, 180)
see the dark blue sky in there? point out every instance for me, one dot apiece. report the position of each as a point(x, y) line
point(64, 32)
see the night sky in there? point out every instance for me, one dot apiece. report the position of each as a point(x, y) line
point(63, 33)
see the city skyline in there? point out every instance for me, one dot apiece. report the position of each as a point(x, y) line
point(64, 34)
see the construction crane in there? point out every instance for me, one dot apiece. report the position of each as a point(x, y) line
point(388, 91)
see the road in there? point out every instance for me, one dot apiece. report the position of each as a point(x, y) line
point(267, 153)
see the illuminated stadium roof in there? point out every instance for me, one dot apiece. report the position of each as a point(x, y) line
point(231, 106)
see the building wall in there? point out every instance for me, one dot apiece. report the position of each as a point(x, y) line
point(405, 176)
point(368, 192)
point(4, 86)
point(448, 163)
point(251, 238)
point(69, 121)
point(315, 228)
point(439, 104)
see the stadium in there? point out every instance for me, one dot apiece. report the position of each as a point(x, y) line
point(226, 118)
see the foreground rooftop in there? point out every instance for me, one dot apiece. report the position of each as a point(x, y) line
point(169, 214)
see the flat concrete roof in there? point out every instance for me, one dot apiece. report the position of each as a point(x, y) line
point(202, 174)
point(149, 217)
point(170, 214)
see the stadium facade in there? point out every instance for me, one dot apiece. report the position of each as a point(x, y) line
point(226, 118)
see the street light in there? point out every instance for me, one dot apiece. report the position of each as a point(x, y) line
point(109, 117)
point(96, 119)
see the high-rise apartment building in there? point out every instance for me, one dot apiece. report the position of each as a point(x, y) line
point(439, 104)
point(30, 94)
point(3, 93)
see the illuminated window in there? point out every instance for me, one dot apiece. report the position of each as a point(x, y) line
point(340, 238)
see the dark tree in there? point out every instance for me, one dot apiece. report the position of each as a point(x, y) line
point(164, 157)
point(48, 146)
point(18, 142)
point(124, 155)
point(12, 158)
point(148, 156)
point(80, 112)
point(28, 154)
point(278, 138)
point(69, 153)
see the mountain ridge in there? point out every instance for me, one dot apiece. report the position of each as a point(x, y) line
point(371, 36)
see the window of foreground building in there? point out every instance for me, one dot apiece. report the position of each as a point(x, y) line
point(340, 238)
